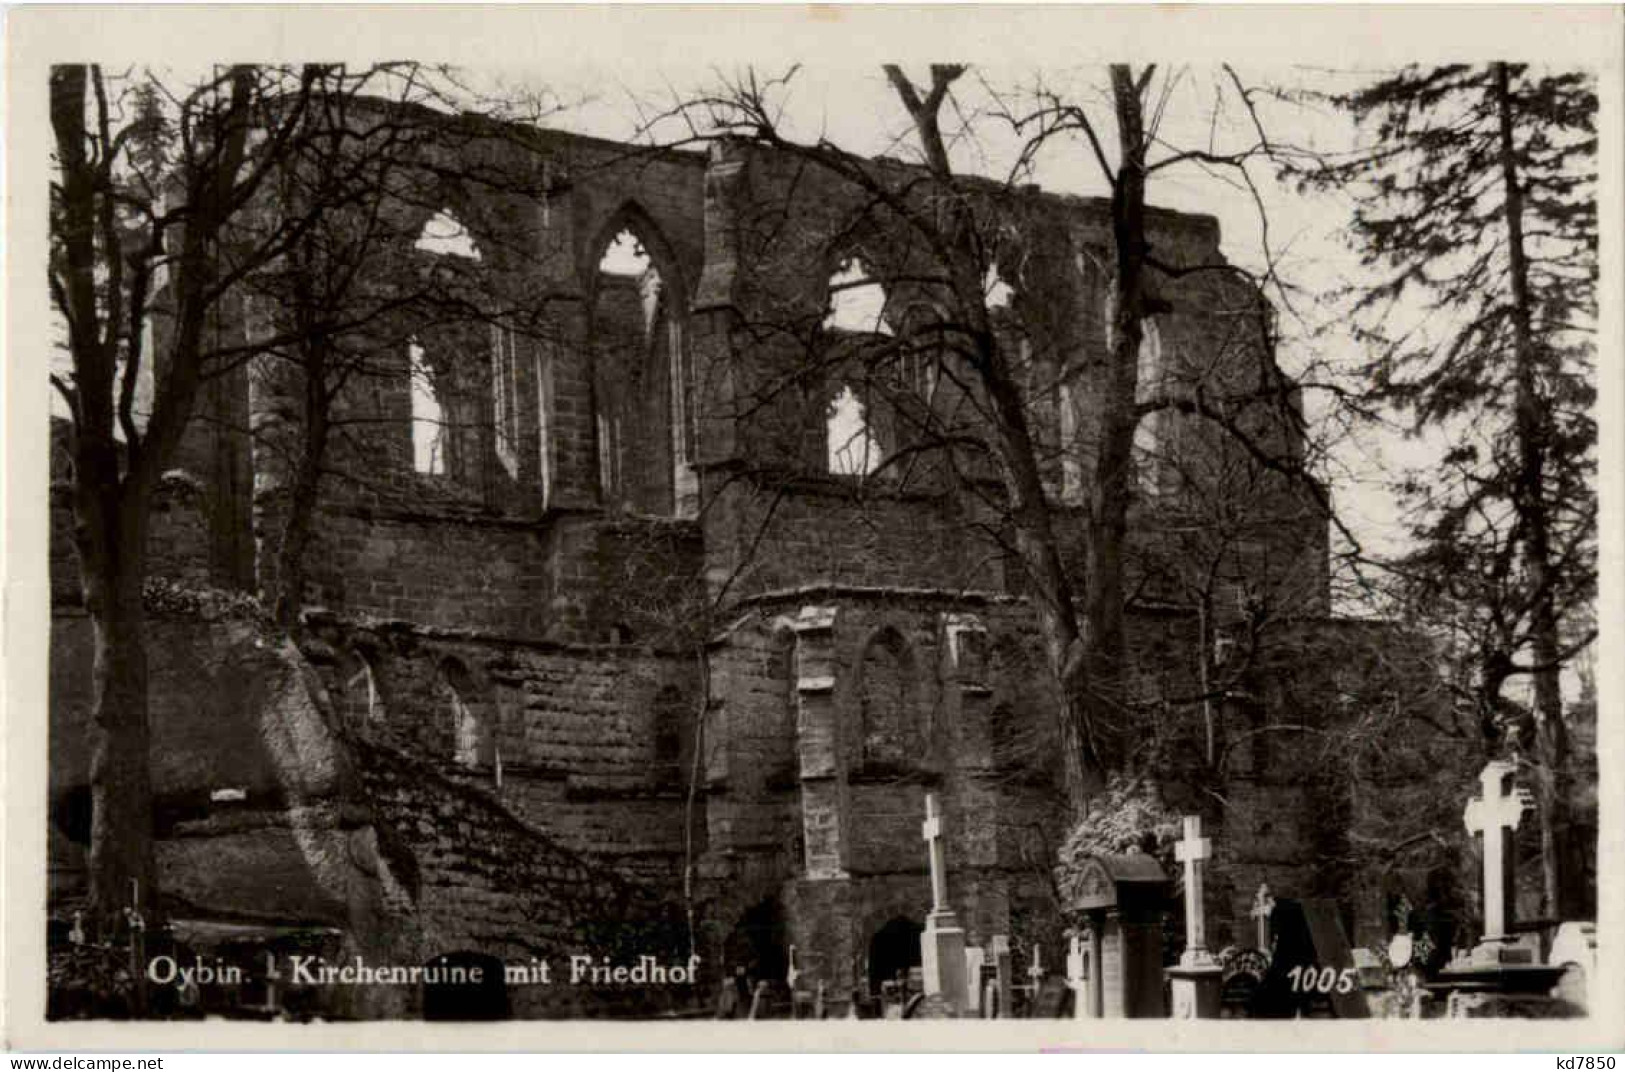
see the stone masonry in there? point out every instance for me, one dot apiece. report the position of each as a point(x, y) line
point(629, 649)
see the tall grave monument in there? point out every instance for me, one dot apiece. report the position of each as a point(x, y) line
point(1195, 982)
point(942, 945)
point(1121, 899)
point(1503, 962)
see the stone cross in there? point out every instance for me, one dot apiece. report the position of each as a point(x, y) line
point(1491, 814)
point(942, 942)
point(1263, 905)
point(931, 831)
point(1191, 852)
point(1035, 970)
point(792, 973)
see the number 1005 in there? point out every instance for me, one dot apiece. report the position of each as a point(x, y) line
point(1307, 979)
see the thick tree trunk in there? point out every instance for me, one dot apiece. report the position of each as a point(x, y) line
point(1112, 489)
point(1085, 748)
point(1550, 760)
point(122, 869)
point(110, 533)
point(1086, 752)
point(290, 573)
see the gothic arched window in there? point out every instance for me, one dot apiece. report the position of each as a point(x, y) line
point(645, 420)
point(890, 729)
point(857, 301)
point(853, 447)
point(428, 416)
point(1151, 377)
point(359, 701)
point(474, 742)
point(445, 235)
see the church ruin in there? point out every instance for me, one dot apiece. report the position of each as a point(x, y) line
point(625, 640)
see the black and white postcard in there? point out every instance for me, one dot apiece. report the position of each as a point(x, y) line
point(934, 527)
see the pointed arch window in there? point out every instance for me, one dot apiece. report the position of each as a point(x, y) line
point(428, 415)
point(857, 301)
point(853, 447)
point(645, 398)
point(359, 701)
point(504, 397)
point(997, 295)
point(1150, 382)
point(890, 730)
point(474, 739)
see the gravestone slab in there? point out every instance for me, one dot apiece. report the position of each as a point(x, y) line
point(1123, 898)
point(1331, 950)
point(1244, 971)
point(1054, 999)
point(1307, 969)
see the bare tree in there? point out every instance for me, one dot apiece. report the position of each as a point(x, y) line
point(954, 244)
point(156, 222)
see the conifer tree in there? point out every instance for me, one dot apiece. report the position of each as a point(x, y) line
point(1474, 204)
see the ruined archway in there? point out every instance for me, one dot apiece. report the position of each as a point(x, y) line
point(758, 943)
point(893, 950)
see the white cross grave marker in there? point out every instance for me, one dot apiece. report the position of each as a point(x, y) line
point(1263, 905)
point(942, 944)
point(1035, 970)
point(1191, 852)
point(1490, 814)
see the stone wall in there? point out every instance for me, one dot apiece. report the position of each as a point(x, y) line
point(488, 881)
point(272, 811)
point(572, 733)
point(636, 637)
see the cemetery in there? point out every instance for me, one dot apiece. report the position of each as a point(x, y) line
point(1299, 963)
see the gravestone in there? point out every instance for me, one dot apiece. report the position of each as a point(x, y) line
point(1373, 973)
point(1503, 971)
point(1244, 971)
point(1574, 949)
point(1077, 975)
point(1004, 976)
point(1494, 818)
point(975, 956)
point(1195, 982)
point(1052, 1000)
point(942, 945)
point(792, 975)
point(1122, 897)
point(1263, 905)
point(1331, 950)
point(1312, 973)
